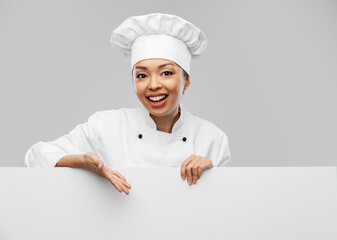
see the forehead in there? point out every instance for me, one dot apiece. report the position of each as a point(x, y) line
point(155, 63)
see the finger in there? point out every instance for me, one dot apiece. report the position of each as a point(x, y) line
point(121, 179)
point(124, 188)
point(119, 175)
point(201, 168)
point(195, 167)
point(210, 165)
point(184, 165)
point(205, 165)
point(115, 183)
point(126, 184)
point(107, 173)
point(189, 171)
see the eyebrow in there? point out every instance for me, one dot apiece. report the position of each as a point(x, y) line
point(161, 66)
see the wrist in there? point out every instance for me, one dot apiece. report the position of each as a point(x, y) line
point(74, 161)
point(85, 160)
point(89, 161)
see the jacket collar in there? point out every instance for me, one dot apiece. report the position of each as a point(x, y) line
point(151, 123)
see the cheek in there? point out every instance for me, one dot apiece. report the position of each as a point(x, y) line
point(138, 88)
point(175, 86)
point(179, 89)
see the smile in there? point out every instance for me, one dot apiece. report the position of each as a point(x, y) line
point(157, 101)
point(157, 98)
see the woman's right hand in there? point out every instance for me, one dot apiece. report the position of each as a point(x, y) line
point(95, 164)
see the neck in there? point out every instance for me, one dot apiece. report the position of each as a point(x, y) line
point(165, 123)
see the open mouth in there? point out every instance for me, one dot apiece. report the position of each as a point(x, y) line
point(158, 98)
point(158, 101)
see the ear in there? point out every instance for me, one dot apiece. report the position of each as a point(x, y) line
point(188, 82)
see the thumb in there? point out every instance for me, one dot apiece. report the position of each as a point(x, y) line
point(100, 165)
point(211, 164)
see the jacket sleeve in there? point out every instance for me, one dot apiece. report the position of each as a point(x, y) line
point(224, 155)
point(82, 139)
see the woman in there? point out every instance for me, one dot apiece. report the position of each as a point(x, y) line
point(160, 133)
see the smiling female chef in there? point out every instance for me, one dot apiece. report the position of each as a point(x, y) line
point(158, 134)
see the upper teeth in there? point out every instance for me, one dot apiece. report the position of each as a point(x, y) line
point(157, 98)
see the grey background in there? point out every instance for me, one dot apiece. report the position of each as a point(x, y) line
point(267, 78)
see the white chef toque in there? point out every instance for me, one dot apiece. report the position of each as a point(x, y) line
point(159, 35)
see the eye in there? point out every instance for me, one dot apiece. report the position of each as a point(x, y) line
point(142, 75)
point(167, 73)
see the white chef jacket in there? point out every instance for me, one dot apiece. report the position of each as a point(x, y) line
point(128, 137)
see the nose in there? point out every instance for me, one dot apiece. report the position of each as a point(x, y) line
point(154, 83)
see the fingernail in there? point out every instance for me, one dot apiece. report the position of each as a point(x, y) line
point(189, 182)
point(194, 181)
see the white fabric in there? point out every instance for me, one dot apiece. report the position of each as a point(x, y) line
point(181, 31)
point(113, 136)
point(161, 46)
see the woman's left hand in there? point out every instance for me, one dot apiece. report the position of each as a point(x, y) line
point(193, 166)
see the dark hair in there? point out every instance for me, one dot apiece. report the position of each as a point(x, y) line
point(185, 74)
point(185, 77)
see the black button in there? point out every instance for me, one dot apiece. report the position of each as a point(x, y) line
point(140, 135)
point(184, 139)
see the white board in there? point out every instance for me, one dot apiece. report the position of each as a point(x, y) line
point(226, 203)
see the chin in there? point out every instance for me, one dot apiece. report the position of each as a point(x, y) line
point(158, 112)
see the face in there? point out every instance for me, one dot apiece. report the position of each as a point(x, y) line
point(159, 84)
